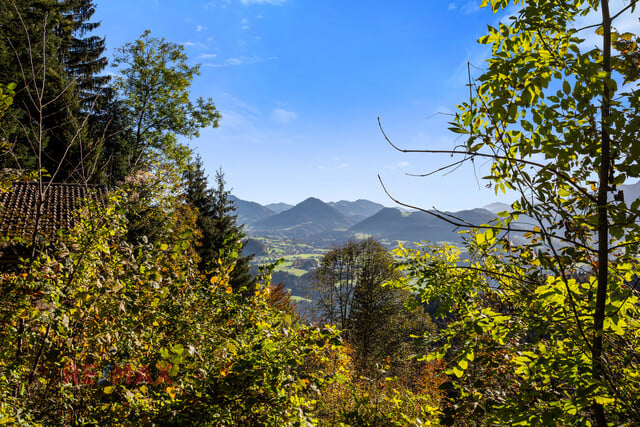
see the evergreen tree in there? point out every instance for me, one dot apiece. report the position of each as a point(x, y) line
point(110, 123)
point(83, 56)
point(52, 125)
point(221, 235)
point(28, 56)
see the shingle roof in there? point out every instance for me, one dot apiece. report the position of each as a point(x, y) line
point(18, 207)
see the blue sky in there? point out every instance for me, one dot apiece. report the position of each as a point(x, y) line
point(301, 83)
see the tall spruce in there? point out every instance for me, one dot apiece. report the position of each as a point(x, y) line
point(222, 237)
point(45, 50)
point(29, 48)
point(82, 58)
point(82, 55)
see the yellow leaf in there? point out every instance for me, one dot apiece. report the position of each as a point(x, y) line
point(108, 390)
point(171, 391)
point(164, 247)
point(143, 388)
point(229, 290)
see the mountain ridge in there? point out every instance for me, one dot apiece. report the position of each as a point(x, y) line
point(310, 216)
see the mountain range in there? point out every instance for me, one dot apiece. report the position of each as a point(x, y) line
point(313, 221)
point(310, 216)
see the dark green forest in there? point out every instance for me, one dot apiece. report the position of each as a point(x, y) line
point(145, 311)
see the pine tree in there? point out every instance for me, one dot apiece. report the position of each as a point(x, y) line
point(29, 48)
point(222, 237)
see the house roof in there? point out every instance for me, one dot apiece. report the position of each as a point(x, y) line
point(18, 207)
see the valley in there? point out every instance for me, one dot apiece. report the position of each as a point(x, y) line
point(303, 233)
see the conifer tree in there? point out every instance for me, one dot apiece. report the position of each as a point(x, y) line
point(221, 235)
point(83, 56)
point(43, 49)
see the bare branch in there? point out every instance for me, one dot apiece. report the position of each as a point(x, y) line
point(472, 154)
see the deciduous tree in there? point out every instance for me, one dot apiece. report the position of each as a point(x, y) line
point(348, 289)
point(559, 120)
point(154, 85)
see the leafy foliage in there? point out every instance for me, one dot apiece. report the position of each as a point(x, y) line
point(155, 88)
point(350, 292)
point(90, 335)
point(548, 329)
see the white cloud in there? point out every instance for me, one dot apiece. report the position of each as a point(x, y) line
point(470, 7)
point(114, 75)
point(207, 56)
point(241, 60)
point(200, 28)
point(245, 24)
point(199, 45)
point(273, 2)
point(283, 116)
point(241, 106)
point(403, 164)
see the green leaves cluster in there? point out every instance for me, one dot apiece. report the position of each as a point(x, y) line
point(99, 330)
point(514, 340)
point(154, 84)
point(541, 314)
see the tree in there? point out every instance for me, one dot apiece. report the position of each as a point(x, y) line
point(42, 50)
point(154, 85)
point(83, 56)
point(349, 292)
point(29, 48)
point(100, 331)
point(560, 123)
point(222, 237)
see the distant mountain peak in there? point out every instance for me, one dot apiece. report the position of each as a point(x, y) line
point(497, 207)
point(249, 212)
point(312, 214)
point(278, 207)
point(358, 210)
point(311, 200)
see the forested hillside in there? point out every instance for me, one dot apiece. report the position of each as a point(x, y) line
point(140, 306)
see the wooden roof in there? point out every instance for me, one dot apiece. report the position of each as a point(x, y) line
point(19, 205)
